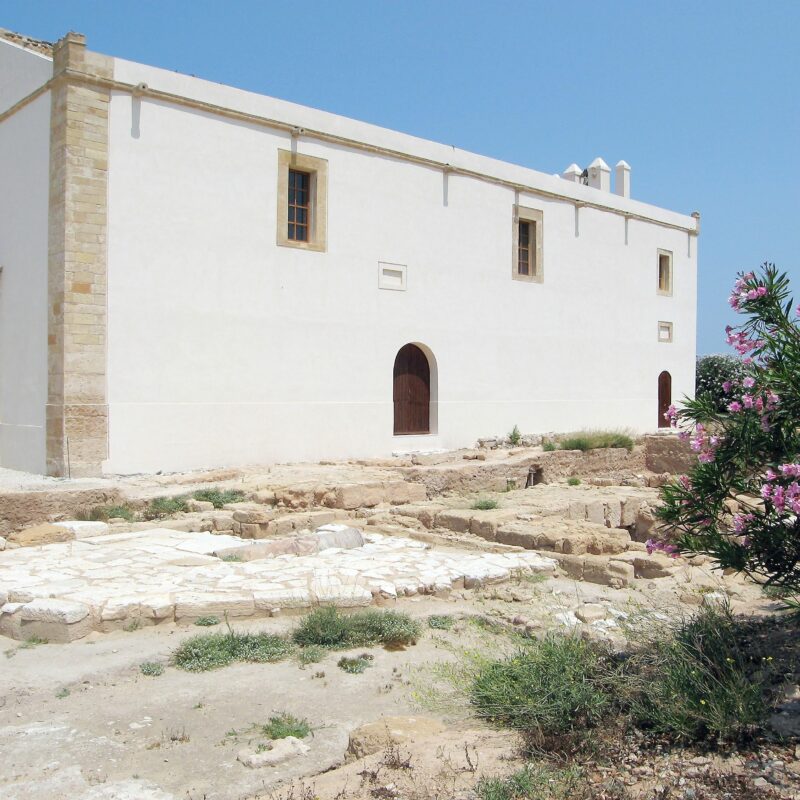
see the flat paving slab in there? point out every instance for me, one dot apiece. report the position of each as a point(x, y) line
point(61, 592)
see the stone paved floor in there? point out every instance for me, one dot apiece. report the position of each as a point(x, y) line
point(63, 591)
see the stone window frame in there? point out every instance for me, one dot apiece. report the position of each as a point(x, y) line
point(659, 254)
point(317, 168)
point(536, 216)
point(668, 326)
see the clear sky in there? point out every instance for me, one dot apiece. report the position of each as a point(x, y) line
point(702, 99)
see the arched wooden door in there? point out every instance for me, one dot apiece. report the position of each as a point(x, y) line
point(664, 398)
point(412, 391)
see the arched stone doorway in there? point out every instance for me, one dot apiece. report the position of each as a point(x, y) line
point(411, 391)
point(664, 398)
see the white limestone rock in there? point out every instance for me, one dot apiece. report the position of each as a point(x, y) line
point(281, 750)
point(84, 529)
point(327, 592)
point(268, 599)
point(47, 610)
point(201, 604)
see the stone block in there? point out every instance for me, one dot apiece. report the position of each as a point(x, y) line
point(190, 605)
point(269, 599)
point(158, 607)
point(613, 513)
point(649, 567)
point(375, 737)
point(573, 565)
point(486, 523)
point(314, 519)
point(48, 610)
point(359, 495)
point(629, 511)
point(605, 572)
point(40, 535)
point(254, 516)
point(340, 536)
point(457, 520)
point(596, 512)
point(348, 596)
point(84, 530)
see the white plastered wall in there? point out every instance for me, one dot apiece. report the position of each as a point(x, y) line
point(225, 348)
point(24, 182)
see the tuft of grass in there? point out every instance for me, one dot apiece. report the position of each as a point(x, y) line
point(533, 782)
point(574, 481)
point(32, 641)
point(593, 440)
point(548, 446)
point(484, 505)
point(696, 681)
point(355, 666)
point(208, 651)
point(105, 513)
point(219, 497)
point(231, 557)
point(311, 654)
point(206, 622)
point(326, 627)
point(515, 437)
point(151, 668)
point(550, 688)
point(441, 622)
point(282, 725)
point(62, 693)
point(162, 507)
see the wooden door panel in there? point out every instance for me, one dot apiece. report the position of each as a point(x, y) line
point(412, 391)
point(664, 398)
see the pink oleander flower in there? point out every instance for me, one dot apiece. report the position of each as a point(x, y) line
point(770, 475)
point(766, 491)
point(772, 400)
point(747, 361)
point(726, 387)
point(714, 441)
point(735, 407)
point(747, 400)
point(761, 291)
point(779, 498)
point(741, 521)
point(683, 436)
point(706, 457)
point(749, 382)
point(685, 481)
point(765, 426)
point(790, 470)
point(760, 404)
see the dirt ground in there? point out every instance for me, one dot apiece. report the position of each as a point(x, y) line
point(80, 721)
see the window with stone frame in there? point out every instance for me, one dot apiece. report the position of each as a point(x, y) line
point(665, 272)
point(302, 201)
point(527, 244)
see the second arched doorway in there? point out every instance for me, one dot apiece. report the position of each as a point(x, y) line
point(411, 391)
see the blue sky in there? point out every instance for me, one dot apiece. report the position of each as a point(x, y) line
point(701, 99)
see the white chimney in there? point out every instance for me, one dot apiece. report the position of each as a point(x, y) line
point(622, 179)
point(600, 175)
point(572, 173)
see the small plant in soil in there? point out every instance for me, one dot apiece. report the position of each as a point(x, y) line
point(219, 497)
point(311, 654)
point(62, 693)
point(574, 481)
point(151, 668)
point(327, 627)
point(515, 437)
point(213, 650)
point(441, 622)
point(548, 446)
point(282, 725)
point(594, 440)
point(206, 622)
point(533, 782)
point(231, 557)
point(162, 507)
point(484, 505)
point(357, 665)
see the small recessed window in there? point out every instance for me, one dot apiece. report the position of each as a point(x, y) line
point(299, 212)
point(527, 244)
point(664, 272)
point(665, 332)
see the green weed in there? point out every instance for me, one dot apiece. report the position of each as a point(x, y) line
point(484, 505)
point(219, 497)
point(282, 725)
point(328, 628)
point(214, 650)
point(593, 440)
point(162, 507)
point(355, 666)
point(151, 668)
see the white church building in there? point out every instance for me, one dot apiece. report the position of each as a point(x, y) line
point(195, 275)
